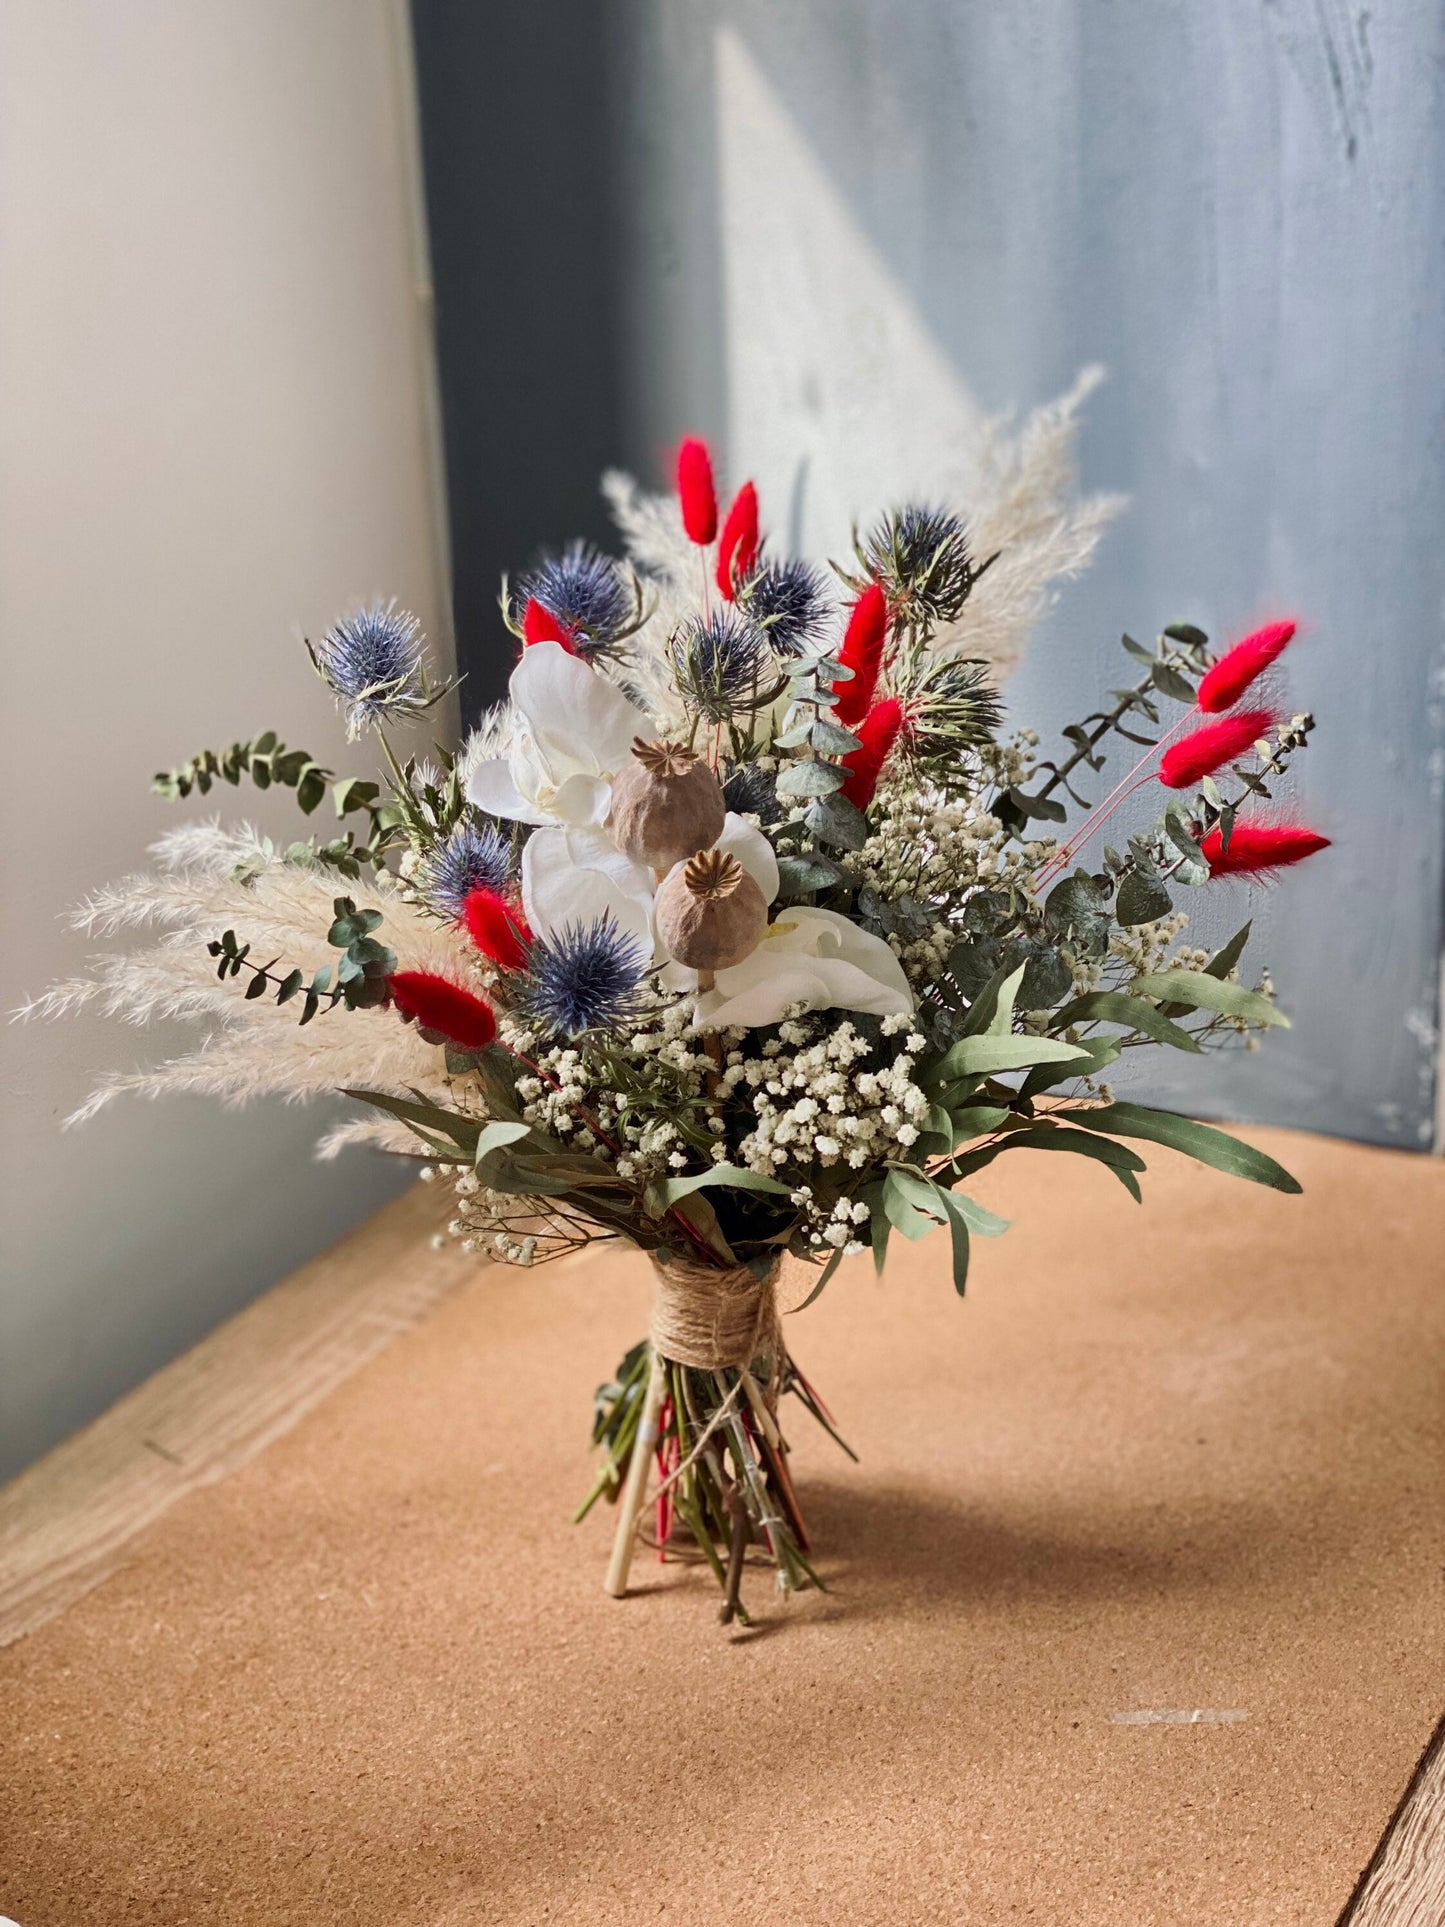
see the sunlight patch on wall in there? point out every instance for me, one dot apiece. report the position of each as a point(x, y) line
point(840, 399)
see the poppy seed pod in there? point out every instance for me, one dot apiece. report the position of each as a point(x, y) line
point(709, 912)
point(666, 803)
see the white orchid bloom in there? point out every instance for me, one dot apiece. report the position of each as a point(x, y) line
point(575, 876)
point(574, 731)
point(806, 960)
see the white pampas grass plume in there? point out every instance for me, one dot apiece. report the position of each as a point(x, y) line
point(1021, 499)
point(283, 911)
point(381, 1133)
point(490, 741)
point(674, 571)
point(1017, 491)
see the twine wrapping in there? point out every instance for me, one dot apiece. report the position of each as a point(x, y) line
point(711, 1319)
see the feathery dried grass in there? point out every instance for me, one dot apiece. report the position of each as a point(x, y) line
point(1022, 498)
point(284, 912)
point(1018, 491)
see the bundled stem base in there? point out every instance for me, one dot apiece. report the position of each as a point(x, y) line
point(712, 1433)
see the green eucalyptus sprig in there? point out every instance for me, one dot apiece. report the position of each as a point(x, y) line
point(811, 781)
point(359, 980)
point(1179, 659)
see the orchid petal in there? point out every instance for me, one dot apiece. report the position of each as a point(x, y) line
point(492, 787)
point(753, 850)
point(579, 721)
point(593, 849)
point(842, 937)
point(815, 959)
point(581, 800)
point(558, 893)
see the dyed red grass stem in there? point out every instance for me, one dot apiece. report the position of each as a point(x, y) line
point(439, 1005)
point(862, 652)
point(1255, 849)
point(737, 550)
point(497, 928)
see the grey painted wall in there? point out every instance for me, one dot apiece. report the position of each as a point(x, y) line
point(1238, 209)
point(214, 435)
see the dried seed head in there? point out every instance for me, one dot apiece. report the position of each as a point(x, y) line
point(666, 803)
point(664, 759)
point(713, 875)
point(709, 912)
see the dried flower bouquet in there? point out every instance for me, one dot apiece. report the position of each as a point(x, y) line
point(738, 930)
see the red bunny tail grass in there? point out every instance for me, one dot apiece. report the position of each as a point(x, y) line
point(1257, 848)
point(877, 734)
point(699, 497)
point(444, 1007)
point(1237, 668)
point(862, 652)
point(540, 625)
point(499, 931)
point(738, 549)
point(1205, 750)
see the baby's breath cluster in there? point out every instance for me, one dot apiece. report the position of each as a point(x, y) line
point(814, 1102)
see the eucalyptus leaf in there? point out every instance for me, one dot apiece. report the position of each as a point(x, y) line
point(833, 819)
point(1123, 1162)
point(984, 1056)
point(1199, 1141)
point(1223, 961)
point(1097, 1053)
point(1142, 899)
point(902, 1209)
point(1169, 681)
point(461, 1131)
point(981, 1222)
point(798, 875)
point(958, 1237)
point(1200, 991)
point(1118, 1007)
point(977, 1120)
point(1045, 808)
point(493, 1136)
point(831, 739)
point(732, 1177)
point(1079, 905)
point(812, 778)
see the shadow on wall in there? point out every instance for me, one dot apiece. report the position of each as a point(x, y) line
point(827, 235)
point(516, 107)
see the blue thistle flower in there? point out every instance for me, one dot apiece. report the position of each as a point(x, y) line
point(372, 660)
point(586, 978)
point(789, 600)
point(920, 555)
point(476, 856)
point(585, 591)
point(752, 792)
point(722, 663)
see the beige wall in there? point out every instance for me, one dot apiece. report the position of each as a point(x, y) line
point(214, 433)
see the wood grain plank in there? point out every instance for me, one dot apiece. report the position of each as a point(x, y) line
point(66, 1523)
point(1404, 1884)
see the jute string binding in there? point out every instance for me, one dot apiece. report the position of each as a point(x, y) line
point(711, 1319)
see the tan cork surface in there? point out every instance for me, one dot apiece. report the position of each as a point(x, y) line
point(1172, 1460)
